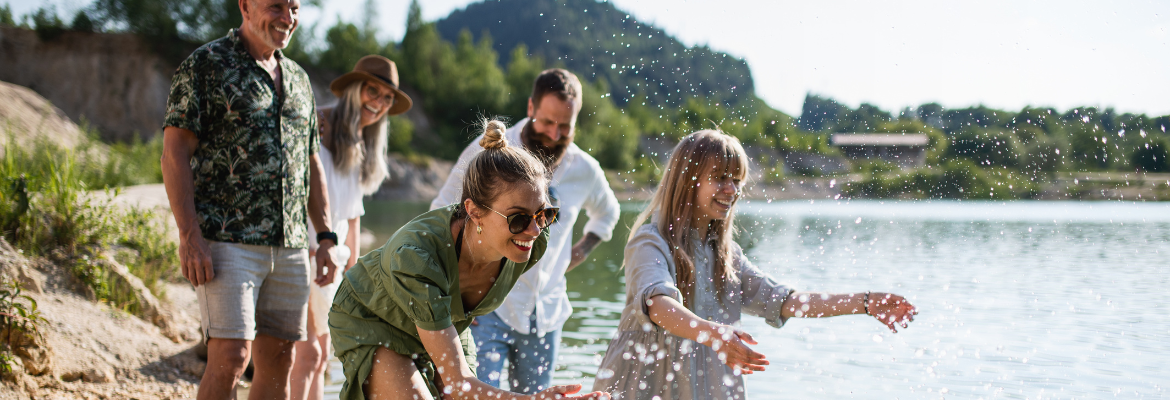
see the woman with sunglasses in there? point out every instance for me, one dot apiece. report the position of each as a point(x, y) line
point(401, 316)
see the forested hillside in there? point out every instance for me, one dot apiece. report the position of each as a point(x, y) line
point(601, 42)
point(457, 74)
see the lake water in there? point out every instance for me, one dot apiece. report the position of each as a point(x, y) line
point(1019, 300)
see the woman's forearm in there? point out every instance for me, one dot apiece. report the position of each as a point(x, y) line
point(680, 321)
point(446, 352)
point(820, 305)
point(353, 241)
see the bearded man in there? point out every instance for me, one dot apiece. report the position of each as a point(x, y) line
point(525, 329)
point(240, 166)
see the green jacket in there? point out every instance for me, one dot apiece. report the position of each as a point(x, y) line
point(409, 283)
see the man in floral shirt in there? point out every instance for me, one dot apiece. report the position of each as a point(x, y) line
point(240, 166)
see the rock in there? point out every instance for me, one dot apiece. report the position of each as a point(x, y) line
point(194, 366)
point(150, 308)
point(14, 264)
point(418, 180)
point(71, 376)
point(98, 375)
point(32, 348)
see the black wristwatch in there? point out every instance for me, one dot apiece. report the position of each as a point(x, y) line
point(330, 235)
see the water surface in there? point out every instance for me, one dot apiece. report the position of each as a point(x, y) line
point(1018, 299)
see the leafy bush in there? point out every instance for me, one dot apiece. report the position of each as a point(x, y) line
point(18, 315)
point(955, 179)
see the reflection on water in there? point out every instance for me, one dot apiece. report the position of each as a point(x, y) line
point(1017, 299)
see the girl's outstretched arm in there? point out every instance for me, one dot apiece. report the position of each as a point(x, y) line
point(731, 343)
point(890, 309)
point(459, 383)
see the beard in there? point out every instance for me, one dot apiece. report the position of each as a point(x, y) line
point(549, 155)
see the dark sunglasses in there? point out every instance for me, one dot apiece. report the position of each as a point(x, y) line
point(518, 222)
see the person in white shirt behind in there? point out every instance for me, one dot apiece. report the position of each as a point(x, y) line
point(525, 330)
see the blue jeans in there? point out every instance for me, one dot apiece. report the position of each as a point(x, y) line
point(530, 357)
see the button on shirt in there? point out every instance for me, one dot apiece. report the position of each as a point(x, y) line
point(251, 167)
point(579, 184)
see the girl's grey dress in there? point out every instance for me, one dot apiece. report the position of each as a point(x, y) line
point(646, 362)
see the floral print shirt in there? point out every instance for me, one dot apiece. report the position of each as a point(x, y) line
point(251, 167)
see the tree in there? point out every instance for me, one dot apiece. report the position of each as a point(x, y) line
point(82, 22)
point(6, 16)
point(1090, 146)
point(47, 24)
point(1153, 156)
point(988, 147)
point(522, 72)
point(820, 113)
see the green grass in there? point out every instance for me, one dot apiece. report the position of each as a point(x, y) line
point(49, 208)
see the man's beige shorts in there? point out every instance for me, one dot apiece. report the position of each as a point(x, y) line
point(256, 289)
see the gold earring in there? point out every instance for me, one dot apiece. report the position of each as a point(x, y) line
point(479, 229)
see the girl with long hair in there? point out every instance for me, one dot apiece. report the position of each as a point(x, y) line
point(688, 283)
point(353, 154)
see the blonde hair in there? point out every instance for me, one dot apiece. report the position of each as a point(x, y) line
point(674, 202)
point(499, 163)
point(354, 147)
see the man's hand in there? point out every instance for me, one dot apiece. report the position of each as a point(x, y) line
point(326, 268)
point(582, 249)
point(195, 259)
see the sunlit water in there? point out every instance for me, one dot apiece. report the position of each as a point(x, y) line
point(1018, 299)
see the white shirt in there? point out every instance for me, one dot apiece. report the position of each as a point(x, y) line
point(579, 183)
point(345, 203)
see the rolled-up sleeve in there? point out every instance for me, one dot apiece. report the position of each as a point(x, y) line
point(419, 286)
point(762, 295)
point(601, 207)
point(649, 272)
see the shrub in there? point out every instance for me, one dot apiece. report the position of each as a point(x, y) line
point(47, 209)
point(18, 315)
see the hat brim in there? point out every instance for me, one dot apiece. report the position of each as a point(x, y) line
point(402, 102)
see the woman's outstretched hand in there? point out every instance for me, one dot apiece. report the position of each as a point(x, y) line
point(734, 351)
point(567, 392)
point(892, 310)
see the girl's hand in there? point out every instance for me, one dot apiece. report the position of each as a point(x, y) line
point(892, 310)
point(734, 352)
point(566, 392)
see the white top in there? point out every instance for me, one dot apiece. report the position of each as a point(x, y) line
point(345, 203)
point(579, 183)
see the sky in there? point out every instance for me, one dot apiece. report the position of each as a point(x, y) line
point(893, 54)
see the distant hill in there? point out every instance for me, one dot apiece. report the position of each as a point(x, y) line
point(598, 41)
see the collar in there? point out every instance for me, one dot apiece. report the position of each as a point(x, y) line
point(237, 41)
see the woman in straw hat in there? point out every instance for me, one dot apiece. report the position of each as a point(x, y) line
point(353, 135)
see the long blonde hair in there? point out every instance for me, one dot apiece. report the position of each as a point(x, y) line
point(673, 202)
point(353, 146)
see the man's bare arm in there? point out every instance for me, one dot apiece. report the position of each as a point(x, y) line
point(194, 255)
point(319, 215)
point(582, 249)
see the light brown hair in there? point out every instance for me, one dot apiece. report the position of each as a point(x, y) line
point(500, 163)
point(692, 160)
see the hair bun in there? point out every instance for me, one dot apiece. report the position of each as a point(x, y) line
point(493, 134)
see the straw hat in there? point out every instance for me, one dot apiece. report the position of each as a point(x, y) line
point(378, 69)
